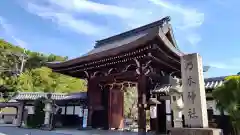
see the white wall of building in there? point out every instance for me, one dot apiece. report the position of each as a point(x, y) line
point(69, 110)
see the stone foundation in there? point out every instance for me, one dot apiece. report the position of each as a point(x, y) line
point(196, 131)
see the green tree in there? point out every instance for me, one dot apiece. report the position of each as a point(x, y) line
point(36, 77)
point(43, 79)
point(227, 98)
point(130, 103)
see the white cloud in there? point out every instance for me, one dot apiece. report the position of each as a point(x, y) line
point(193, 38)
point(187, 20)
point(69, 13)
point(9, 30)
point(93, 7)
point(220, 65)
point(229, 65)
point(191, 17)
point(65, 19)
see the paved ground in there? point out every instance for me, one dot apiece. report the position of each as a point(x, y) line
point(4, 130)
point(11, 130)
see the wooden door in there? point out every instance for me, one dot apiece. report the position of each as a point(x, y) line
point(116, 109)
point(95, 105)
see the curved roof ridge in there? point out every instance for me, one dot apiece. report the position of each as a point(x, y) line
point(99, 43)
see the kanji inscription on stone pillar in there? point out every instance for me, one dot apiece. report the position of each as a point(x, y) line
point(195, 109)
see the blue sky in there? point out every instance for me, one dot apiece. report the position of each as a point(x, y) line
point(71, 27)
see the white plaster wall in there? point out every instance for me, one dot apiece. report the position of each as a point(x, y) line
point(168, 110)
point(69, 110)
point(63, 109)
point(30, 109)
point(211, 104)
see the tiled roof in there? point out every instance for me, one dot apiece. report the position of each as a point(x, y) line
point(210, 83)
point(36, 95)
point(55, 96)
point(119, 43)
point(129, 33)
point(123, 43)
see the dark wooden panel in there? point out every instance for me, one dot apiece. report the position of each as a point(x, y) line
point(116, 109)
point(161, 117)
point(105, 104)
point(94, 100)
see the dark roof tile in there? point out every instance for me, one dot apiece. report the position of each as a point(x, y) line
point(55, 96)
point(132, 32)
point(210, 83)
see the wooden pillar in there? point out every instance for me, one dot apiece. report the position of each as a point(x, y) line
point(142, 91)
point(89, 104)
point(20, 114)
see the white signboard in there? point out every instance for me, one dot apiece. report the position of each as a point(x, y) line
point(85, 115)
point(168, 106)
point(195, 108)
point(153, 112)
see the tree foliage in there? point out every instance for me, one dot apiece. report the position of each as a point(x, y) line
point(130, 103)
point(43, 79)
point(130, 106)
point(36, 76)
point(227, 98)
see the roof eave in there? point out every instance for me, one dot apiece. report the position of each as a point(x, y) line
point(166, 41)
point(111, 52)
point(153, 33)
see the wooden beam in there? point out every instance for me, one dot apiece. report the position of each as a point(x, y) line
point(127, 76)
point(162, 62)
point(155, 46)
point(103, 61)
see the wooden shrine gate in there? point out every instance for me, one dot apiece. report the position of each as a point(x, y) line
point(142, 57)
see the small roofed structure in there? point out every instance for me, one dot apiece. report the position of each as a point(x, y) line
point(71, 105)
point(144, 56)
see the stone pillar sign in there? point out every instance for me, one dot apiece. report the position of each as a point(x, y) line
point(195, 108)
